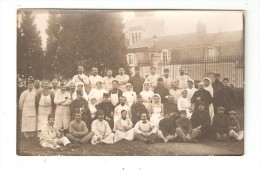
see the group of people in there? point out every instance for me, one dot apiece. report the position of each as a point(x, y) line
point(107, 109)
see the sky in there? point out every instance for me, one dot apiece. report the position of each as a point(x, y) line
point(176, 22)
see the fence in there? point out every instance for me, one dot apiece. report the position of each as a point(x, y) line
point(231, 67)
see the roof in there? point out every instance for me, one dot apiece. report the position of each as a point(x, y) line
point(187, 40)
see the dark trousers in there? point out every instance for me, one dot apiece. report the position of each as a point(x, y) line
point(146, 138)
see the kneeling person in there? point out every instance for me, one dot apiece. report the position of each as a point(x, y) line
point(144, 130)
point(235, 131)
point(124, 128)
point(184, 128)
point(167, 128)
point(101, 129)
point(51, 137)
point(78, 131)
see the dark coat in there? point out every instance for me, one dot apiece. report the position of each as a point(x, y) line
point(220, 124)
point(137, 83)
point(136, 110)
point(163, 92)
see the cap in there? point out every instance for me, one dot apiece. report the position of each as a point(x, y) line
point(216, 74)
point(166, 70)
point(232, 112)
point(137, 68)
point(79, 92)
point(201, 103)
point(105, 94)
point(220, 108)
point(160, 79)
point(174, 83)
point(225, 79)
point(181, 68)
point(100, 112)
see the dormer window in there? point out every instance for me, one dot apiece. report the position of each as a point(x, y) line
point(131, 59)
point(166, 55)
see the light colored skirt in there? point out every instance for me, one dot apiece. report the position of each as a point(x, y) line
point(42, 119)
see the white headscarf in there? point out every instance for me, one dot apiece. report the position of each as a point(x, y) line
point(92, 107)
point(85, 95)
point(209, 88)
point(146, 82)
point(156, 94)
point(128, 84)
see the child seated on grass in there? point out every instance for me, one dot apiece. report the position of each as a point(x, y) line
point(184, 129)
point(234, 127)
point(52, 137)
point(220, 124)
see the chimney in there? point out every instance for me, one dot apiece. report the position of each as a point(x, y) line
point(201, 28)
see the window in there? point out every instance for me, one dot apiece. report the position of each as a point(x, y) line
point(131, 59)
point(166, 55)
point(211, 53)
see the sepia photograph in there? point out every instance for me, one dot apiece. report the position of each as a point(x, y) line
point(130, 82)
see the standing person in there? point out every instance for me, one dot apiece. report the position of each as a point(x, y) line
point(167, 81)
point(37, 86)
point(80, 103)
point(81, 77)
point(226, 97)
point(101, 130)
point(108, 108)
point(115, 93)
point(63, 101)
point(208, 87)
point(200, 120)
point(130, 95)
point(137, 109)
point(122, 79)
point(161, 90)
point(184, 128)
point(55, 88)
point(94, 78)
point(184, 103)
point(137, 81)
point(45, 105)
point(98, 92)
point(155, 110)
point(78, 131)
point(220, 124)
point(171, 108)
point(27, 110)
point(108, 80)
point(147, 94)
point(201, 95)
point(167, 128)
point(124, 128)
point(182, 79)
point(217, 85)
point(80, 87)
point(144, 130)
point(235, 131)
point(175, 92)
point(122, 106)
point(92, 105)
point(51, 137)
point(152, 78)
point(191, 89)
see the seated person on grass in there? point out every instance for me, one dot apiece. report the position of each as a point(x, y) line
point(78, 131)
point(220, 124)
point(235, 131)
point(167, 127)
point(124, 128)
point(52, 137)
point(101, 129)
point(144, 130)
point(184, 129)
point(200, 120)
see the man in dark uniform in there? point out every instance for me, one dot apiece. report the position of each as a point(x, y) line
point(202, 95)
point(171, 108)
point(137, 109)
point(108, 109)
point(137, 81)
point(217, 85)
point(161, 90)
point(226, 97)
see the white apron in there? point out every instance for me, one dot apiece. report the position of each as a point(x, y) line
point(114, 98)
point(29, 113)
point(156, 116)
point(44, 110)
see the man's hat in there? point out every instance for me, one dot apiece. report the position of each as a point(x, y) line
point(232, 112)
point(160, 79)
point(220, 108)
point(100, 112)
point(166, 70)
point(201, 103)
point(227, 79)
point(105, 94)
point(216, 75)
point(175, 83)
point(181, 68)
